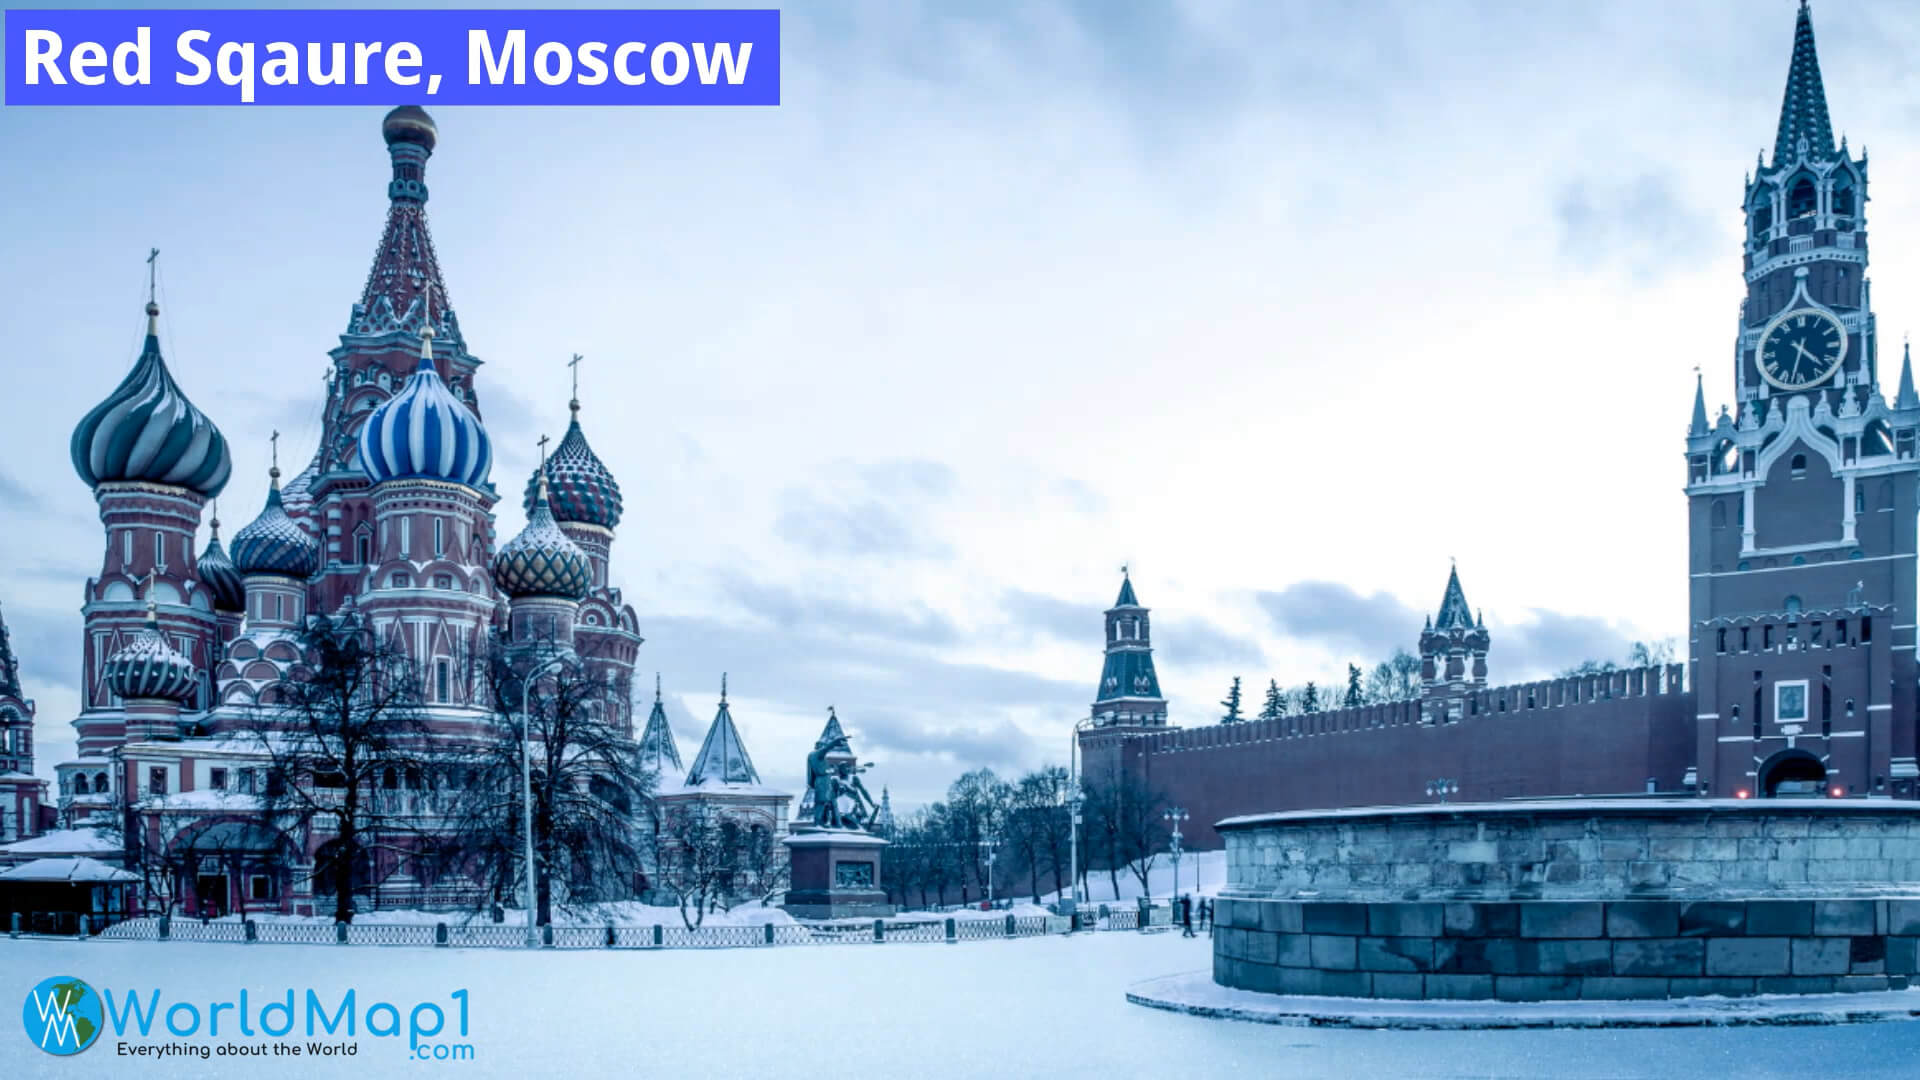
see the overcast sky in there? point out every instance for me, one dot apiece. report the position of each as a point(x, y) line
point(1283, 304)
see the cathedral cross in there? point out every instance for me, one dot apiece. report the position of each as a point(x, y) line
point(543, 449)
point(275, 440)
point(574, 366)
point(153, 264)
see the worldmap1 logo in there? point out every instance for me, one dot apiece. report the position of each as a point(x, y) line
point(62, 1015)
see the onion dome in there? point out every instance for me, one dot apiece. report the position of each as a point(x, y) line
point(148, 667)
point(219, 576)
point(274, 543)
point(541, 561)
point(424, 432)
point(147, 431)
point(582, 490)
point(410, 124)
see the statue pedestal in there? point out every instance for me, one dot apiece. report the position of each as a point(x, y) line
point(836, 874)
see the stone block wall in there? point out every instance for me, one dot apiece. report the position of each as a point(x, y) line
point(1581, 849)
point(1542, 950)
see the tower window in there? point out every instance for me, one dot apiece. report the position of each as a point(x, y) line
point(1843, 202)
point(443, 681)
point(1799, 465)
point(363, 549)
point(1720, 640)
point(440, 530)
point(1801, 199)
point(1866, 629)
point(1793, 605)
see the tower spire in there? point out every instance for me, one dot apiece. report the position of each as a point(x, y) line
point(1699, 425)
point(1454, 611)
point(573, 400)
point(1803, 109)
point(1906, 398)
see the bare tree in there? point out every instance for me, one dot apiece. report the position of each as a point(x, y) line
point(343, 734)
point(1127, 823)
point(976, 813)
point(1039, 823)
point(589, 790)
point(694, 861)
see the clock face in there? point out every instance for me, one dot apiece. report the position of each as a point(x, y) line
point(1801, 348)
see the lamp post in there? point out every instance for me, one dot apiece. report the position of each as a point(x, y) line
point(991, 847)
point(1075, 800)
point(1441, 788)
point(1175, 816)
point(526, 788)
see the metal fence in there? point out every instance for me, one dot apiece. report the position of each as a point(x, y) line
point(495, 935)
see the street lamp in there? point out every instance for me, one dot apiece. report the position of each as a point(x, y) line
point(1441, 788)
point(1075, 800)
point(1175, 816)
point(991, 847)
point(526, 787)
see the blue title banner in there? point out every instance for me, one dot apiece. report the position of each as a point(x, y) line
point(380, 57)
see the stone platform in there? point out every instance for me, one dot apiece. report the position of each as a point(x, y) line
point(1197, 995)
point(836, 874)
point(1631, 899)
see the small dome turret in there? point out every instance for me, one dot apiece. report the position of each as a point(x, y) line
point(218, 575)
point(582, 490)
point(541, 561)
point(274, 543)
point(146, 431)
point(148, 667)
point(424, 432)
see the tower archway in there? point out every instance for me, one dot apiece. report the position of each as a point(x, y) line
point(1793, 774)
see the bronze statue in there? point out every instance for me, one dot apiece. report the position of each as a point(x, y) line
point(821, 782)
point(846, 781)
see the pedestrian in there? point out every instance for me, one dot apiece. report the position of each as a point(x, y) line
point(1206, 909)
point(1186, 916)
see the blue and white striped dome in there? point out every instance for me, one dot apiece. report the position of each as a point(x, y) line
point(542, 561)
point(147, 431)
point(424, 432)
point(219, 576)
point(273, 543)
point(148, 667)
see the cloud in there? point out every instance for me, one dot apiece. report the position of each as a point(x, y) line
point(1337, 617)
point(1196, 643)
point(15, 496)
point(817, 615)
point(1638, 223)
point(1343, 621)
point(868, 510)
point(1040, 613)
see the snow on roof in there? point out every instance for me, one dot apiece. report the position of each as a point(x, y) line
point(19, 777)
point(203, 799)
point(76, 869)
point(63, 842)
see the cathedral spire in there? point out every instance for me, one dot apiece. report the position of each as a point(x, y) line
point(1803, 110)
point(1699, 425)
point(1906, 399)
point(405, 285)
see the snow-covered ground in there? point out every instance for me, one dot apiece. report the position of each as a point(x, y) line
point(1202, 873)
point(1042, 1007)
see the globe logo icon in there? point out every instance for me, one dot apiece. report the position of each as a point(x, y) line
point(62, 1015)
